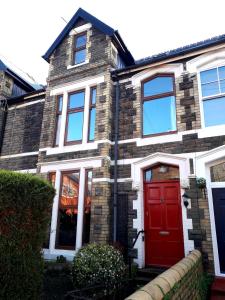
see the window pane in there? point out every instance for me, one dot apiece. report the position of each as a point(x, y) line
point(87, 208)
point(76, 100)
point(79, 56)
point(93, 96)
point(214, 111)
point(222, 86)
point(159, 115)
point(68, 210)
point(217, 173)
point(75, 127)
point(60, 102)
point(162, 172)
point(158, 85)
point(210, 89)
point(81, 41)
point(222, 72)
point(92, 125)
point(58, 128)
point(208, 76)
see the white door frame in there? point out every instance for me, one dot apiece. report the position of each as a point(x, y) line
point(203, 164)
point(138, 204)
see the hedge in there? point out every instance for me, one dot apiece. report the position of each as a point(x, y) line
point(25, 209)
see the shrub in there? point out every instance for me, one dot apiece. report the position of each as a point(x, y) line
point(25, 208)
point(98, 264)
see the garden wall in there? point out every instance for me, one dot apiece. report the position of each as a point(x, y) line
point(184, 280)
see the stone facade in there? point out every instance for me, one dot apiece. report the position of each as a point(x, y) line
point(29, 136)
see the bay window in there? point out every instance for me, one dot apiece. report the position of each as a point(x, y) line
point(212, 83)
point(159, 107)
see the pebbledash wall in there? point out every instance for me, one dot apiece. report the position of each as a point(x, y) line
point(28, 141)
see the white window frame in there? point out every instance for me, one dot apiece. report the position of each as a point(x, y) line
point(64, 91)
point(202, 99)
point(80, 165)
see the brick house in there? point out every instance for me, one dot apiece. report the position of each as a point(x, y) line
point(123, 142)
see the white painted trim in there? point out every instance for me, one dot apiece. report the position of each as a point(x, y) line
point(176, 68)
point(80, 29)
point(25, 104)
point(203, 164)
point(19, 155)
point(137, 183)
point(77, 65)
point(109, 180)
point(82, 83)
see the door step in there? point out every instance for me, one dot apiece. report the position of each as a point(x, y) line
point(146, 275)
point(218, 289)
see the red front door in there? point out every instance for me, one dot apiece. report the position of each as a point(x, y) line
point(163, 223)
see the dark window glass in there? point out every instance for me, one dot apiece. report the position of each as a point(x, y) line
point(68, 210)
point(51, 178)
point(80, 56)
point(76, 100)
point(81, 41)
point(87, 207)
point(214, 111)
point(75, 127)
point(159, 115)
point(158, 85)
point(58, 119)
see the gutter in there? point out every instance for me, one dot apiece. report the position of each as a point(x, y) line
point(115, 187)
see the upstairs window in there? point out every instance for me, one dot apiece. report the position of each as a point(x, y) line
point(58, 118)
point(159, 107)
point(75, 116)
point(79, 55)
point(213, 95)
point(92, 112)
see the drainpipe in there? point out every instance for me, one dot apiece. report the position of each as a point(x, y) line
point(3, 113)
point(115, 189)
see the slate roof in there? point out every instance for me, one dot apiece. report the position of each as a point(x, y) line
point(123, 51)
point(20, 77)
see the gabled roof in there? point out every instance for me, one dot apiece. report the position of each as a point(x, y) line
point(24, 80)
point(123, 51)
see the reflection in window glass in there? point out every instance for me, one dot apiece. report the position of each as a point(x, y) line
point(81, 41)
point(58, 128)
point(222, 73)
point(87, 207)
point(76, 100)
point(217, 172)
point(158, 85)
point(161, 172)
point(68, 210)
point(75, 126)
point(208, 76)
point(214, 111)
point(80, 56)
point(92, 125)
point(159, 115)
point(210, 89)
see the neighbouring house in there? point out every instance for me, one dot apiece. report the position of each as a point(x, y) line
point(123, 142)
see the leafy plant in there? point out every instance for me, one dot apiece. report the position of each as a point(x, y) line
point(25, 208)
point(201, 182)
point(98, 264)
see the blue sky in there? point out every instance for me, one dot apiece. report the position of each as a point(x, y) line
point(28, 27)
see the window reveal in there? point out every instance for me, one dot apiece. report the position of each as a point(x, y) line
point(68, 211)
point(159, 107)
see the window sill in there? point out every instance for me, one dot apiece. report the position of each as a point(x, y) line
point(78, 65)
point(72, 148)
point(216, 130)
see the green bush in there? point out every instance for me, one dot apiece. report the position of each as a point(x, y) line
point(25, 208)
point(98, 264)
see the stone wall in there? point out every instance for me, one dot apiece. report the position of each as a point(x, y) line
point(182, 281)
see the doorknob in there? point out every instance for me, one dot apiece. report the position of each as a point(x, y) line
point(164, 232)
